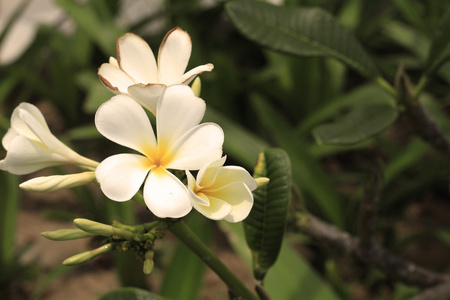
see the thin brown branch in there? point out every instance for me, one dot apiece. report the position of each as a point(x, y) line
point(440, 292)
point(392, 265)
point(420, 119)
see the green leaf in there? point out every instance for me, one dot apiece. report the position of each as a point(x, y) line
point(300, 31)
point(306, 171)
point(130, 294)
point(440, 47)
point(264, 227)
point(176, 284)
point(361, 123)
point(9, 206)
point(291, 275)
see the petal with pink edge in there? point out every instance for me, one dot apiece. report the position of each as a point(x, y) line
point(114, 79)
point(173, 56)
point(136, 58)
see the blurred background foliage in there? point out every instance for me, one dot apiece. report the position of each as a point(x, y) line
point(261, 98)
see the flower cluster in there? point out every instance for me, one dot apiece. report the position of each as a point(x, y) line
point(179, 143)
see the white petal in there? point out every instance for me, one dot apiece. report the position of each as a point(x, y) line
point(124, 121)
point(147, 95)
point(196, 148)
point(136, 58)
point(47, 138)
point(229, 174)
point(165, 195)
point(114, 79)
point(208, 173)
point(179, 110)
point(25, 156)
point(217, 210)
point(173, 56)
point(239, 196)
point(120, 176)
point(9, 136)
point(20, 126)
point(188, 76)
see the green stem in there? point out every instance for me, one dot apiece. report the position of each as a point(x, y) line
point(193, 242)
point(386, 86)
point(420, 86)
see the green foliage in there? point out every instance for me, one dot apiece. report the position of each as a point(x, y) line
point(264, 227)
point(360, 124)
point(299, 31)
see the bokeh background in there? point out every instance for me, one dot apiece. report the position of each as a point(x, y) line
point(50, 51)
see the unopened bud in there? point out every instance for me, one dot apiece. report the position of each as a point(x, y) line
point(149, 265)
point(197, 86)
point(66, 234)
point(261, 182)
point(57, 182)
point(102, 229)
point(88, 255)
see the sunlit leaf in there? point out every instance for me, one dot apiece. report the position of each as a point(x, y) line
point(299, 31)
point(264, 227)
point(361, 123)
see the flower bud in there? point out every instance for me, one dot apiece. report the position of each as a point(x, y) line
point(66, 234)
point(88, 255)
point(197, 86)
point(102, 229)
point(57, 182)
point(261, 182)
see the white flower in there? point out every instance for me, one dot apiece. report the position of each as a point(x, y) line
point(181, 144)
point(31, 146)
point(57, 182)
point(136, 73)
point(222, 192)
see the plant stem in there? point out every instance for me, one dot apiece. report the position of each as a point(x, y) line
point(193, 242)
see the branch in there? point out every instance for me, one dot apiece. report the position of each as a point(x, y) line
point(440, 292)
point(420, 119)
point(392, 265)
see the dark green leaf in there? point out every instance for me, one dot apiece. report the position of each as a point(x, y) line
point(300, 31)
point(440, 47)
point(264, 227)
point(130, 294)
point(9, 206)
point(176, 284)
point(363, 122)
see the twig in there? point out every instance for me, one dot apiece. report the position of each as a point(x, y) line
point(392, 265)
point(420, 119)
point(440, 292)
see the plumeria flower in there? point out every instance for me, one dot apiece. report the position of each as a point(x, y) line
point(31, 146)
point(135, 72)
point(222, 192)
point(180, 144)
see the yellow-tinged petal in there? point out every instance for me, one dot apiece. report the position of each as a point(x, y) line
point(217, 209)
